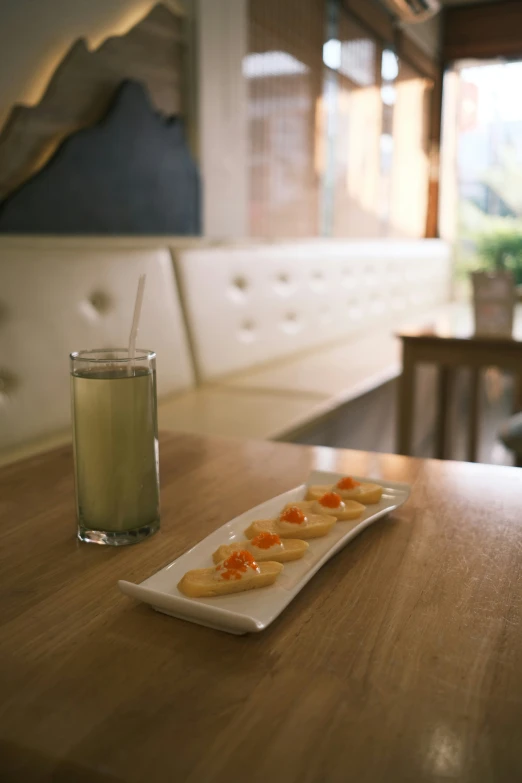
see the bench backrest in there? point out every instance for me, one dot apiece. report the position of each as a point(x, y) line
point(75, 296)
point(247, 305)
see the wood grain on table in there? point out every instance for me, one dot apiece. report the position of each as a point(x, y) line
point(400, 661)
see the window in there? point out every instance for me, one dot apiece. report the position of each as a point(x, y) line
point(284, 74)
point(353, 107)
point(338, 126)
point(410, 164)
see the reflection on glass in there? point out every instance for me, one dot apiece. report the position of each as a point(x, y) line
point(324, 459)
point(272, 63)
point(283, 70)
point(410, 167)
point(358, 61)
point(338, 127)
point(388, 94)
point(332, 54)
point(389, 65)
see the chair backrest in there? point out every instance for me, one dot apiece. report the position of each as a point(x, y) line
point(251, 304)
point(72, 296)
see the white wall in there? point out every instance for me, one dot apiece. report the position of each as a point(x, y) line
point(221, 44)
point(35, 35)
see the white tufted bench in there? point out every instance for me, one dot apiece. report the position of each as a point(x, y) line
point(261, 340)
point(285, 335)
point(56, 299)
point(271, 301)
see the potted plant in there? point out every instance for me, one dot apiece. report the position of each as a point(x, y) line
point(501, 250)
point(494, 286)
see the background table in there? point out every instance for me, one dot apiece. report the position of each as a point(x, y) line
point(449, 343)
point(400, 661)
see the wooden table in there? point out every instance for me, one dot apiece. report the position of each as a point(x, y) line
point(400, 661)
point(449, 343)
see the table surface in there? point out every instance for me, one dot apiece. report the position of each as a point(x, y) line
point(456, 323)
point(400, 661)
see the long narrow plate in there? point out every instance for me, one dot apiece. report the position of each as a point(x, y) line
point(254, 610)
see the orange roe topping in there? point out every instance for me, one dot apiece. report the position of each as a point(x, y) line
point(348, 483)
point(294, 515)
point(331, 500)
point(237, 564)
point(266, 540)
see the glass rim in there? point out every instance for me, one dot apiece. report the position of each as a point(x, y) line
point(87, 355)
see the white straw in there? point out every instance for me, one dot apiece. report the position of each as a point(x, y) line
point(135, 323)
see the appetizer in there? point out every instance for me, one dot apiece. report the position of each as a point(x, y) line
point(265, 546)
point(238, 572)
point(292, 522)
point(349, 489)
point(331, 503)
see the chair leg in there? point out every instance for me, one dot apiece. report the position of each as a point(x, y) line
point(444, 401)
point(474, 410)
point(406, 405)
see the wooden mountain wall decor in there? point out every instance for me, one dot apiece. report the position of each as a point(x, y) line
point(130, 174)
point(82, 89)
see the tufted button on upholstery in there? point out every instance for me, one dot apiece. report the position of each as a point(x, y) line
point(238, 289)
point(348, 278)
point(377, 307)
point(101, 302)
point(371, 276)
point(96, 305)
point(355, 311)
point(247, 331)
point(240, 283)
point(325, 315)
point(283, 285)
point(291, 323)
point(8, 383)
point(318, 282)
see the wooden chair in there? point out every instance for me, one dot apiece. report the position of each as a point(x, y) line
point(511, 437)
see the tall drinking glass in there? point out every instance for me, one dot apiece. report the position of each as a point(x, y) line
point(115, 433)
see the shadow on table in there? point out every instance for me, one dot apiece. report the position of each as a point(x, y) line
point(19, 764)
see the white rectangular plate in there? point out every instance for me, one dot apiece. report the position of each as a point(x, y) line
point(254, 610)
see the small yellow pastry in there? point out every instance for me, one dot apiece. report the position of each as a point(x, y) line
point(349, 489)
point(291, 522)
point(332, 504)
point(265, 546)
point(238, 572)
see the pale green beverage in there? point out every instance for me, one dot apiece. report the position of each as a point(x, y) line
point(116, 451)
